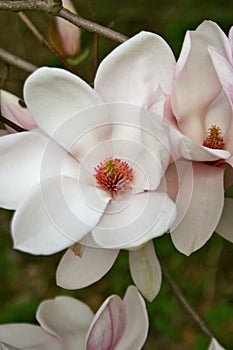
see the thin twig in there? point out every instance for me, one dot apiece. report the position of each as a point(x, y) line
point(95, 36)
point(55, 8)
point(44, 42)
point(16, 61)
point(180, 296)
point(11, 124)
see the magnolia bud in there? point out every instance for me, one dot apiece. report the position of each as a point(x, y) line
point(70, 35)
point(13, 109)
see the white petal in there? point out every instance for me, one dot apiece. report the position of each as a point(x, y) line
point(145, 270)
point(134, 70)
point(215, 37)
point(225, 224)
point(137, 321)
point(197, 220)
point(194, 89)
point(26, 158)
point(131, 221)
point(54, 95)
point(76, 271)
point(67, 318)
point(25, 336)
point(56, 215)
point(224, 70)
point(108, 325)
point(215, 345)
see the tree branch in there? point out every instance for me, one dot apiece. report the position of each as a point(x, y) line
point(44, 42)
point(180, 296)
point(55, 8)
point(16, 61)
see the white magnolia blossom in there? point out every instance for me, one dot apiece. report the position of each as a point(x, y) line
point(69, 324)
point(90, 172)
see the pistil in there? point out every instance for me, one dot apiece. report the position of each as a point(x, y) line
point(114, 176)
point(214, 139)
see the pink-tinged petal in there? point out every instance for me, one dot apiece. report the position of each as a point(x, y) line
point(134, 71)
point(108, 325)
point(26, 336)
point(76, 271)
point(67, 318)
point(54, 95)
point(13, 111)
point(215, 37)
point(197, 220)
point(145, 270)
point(69, 33)
point(57, 214)
point(224, 70)
point(137, 321)
point(23, 162)
point(195, 87)
point(214, 345)
point(130, 221)
point(225, 224)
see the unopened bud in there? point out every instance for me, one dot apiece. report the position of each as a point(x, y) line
point(13, 109)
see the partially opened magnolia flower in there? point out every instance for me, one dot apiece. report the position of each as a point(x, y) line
point(203, 116)
point(13, 109)
point(90, 173)
point(221, 54)
point(69, 324)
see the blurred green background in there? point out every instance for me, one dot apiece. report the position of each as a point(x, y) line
point(206, 277)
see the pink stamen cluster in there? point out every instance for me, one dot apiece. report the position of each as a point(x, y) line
point(114, 175)
point(214, 139)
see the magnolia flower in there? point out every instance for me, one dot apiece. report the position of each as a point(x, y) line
point(203, 116)
point(221, 53)
point(69, 324)
point(70, 34)
point(89, 173)
point(14, 110)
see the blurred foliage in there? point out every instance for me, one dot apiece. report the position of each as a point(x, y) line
point(206, 278)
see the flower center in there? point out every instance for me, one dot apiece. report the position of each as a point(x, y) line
point(114, 175)
point(214, 139)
